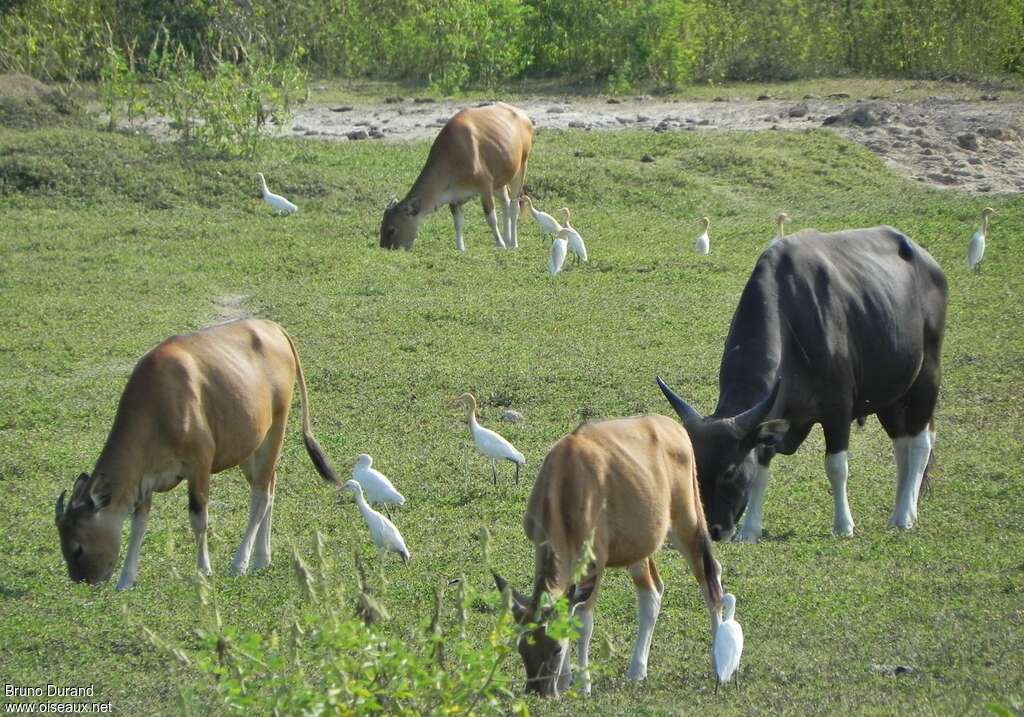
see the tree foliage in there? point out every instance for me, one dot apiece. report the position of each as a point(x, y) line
point(459, 43)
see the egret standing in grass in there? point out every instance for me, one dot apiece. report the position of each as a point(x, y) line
point(279, 203)
point(576, 245)
point(488, 442)
point(780, 232)
point(547, 223)
point(976, 246)
point(556, 256)
point(378, 488)
point(703, 243)
point(383, 532)
point(728, 645)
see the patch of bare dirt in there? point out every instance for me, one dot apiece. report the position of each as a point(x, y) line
point(973, 146)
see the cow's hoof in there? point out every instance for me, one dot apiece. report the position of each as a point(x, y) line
point(123, 585)
point(259, 562)
point(237, 569)
point(637, 672)
point(901, 522)
point(747, 536)
point(842, 531)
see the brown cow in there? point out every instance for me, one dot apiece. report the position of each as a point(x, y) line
point(625, 485)
point(194, 405)
point(480, 152)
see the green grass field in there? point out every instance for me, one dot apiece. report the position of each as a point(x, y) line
point(108, 244)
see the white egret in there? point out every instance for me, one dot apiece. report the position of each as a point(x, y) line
point(703, 243)
point(376, 485)
point(488, 442)
point(556, 256)
point(780, 233)
point(383, 532)
point(547, 223)
point(576, 245)
point(279, 203)
point(728, 645)
point(976, 246)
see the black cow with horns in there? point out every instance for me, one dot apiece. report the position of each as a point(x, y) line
point(830, 328)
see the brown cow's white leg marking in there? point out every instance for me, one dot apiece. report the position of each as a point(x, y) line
point(509, 215)
point(199, 523)
point(492, 222)
point(753, 523)
point(583, 648)
point(457, 218)
point(258, 502)
point(261, 554)
point(914, 451)
point(838, 470)
point(130, 571)
point(648, 607)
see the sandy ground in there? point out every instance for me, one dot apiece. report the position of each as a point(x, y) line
point(972, 146)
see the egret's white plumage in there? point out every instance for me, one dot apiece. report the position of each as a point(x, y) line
point(576, 245)
point(488, 442)
point(375, 484)
point(547, 223)
point(728, 645)
point(383, 532)
point(556, 256)
point(976, 246)
point(703, 243)
point(780, 232)
point(279, 203)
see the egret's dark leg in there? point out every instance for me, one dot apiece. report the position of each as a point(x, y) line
point(494, 473)
point(517, 474)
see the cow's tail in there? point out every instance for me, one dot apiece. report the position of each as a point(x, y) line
point(316, 453)
point(709, 566)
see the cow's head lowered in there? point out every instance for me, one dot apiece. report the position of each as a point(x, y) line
point(724, 451)
point(399, 226)
point(545, 658)
point(88, 539)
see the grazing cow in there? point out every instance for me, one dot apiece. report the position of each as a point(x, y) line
point(624, 485)
point(196, 404)
point(480, 152)
point(829, 328)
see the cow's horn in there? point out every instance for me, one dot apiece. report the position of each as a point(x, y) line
point(60, 506)
point(752, 417)
point(686, 412)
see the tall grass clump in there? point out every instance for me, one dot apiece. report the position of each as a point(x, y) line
point(336, 656)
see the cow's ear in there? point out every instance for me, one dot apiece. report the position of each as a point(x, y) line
point(579, 594)
point(771, 432)
point(516, 599)
point(413, 207)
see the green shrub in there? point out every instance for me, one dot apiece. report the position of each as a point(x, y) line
point(329, 660)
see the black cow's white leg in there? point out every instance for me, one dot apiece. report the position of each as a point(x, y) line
point(586, 617)
point(838, 470)
point(648, 599)
point(753, 522)
point(130, 571)
point(912, 453)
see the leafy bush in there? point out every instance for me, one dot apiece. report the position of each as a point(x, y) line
point(458, 43)
point(328, 660)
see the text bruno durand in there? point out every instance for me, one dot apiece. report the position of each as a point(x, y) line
point(53, 699)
